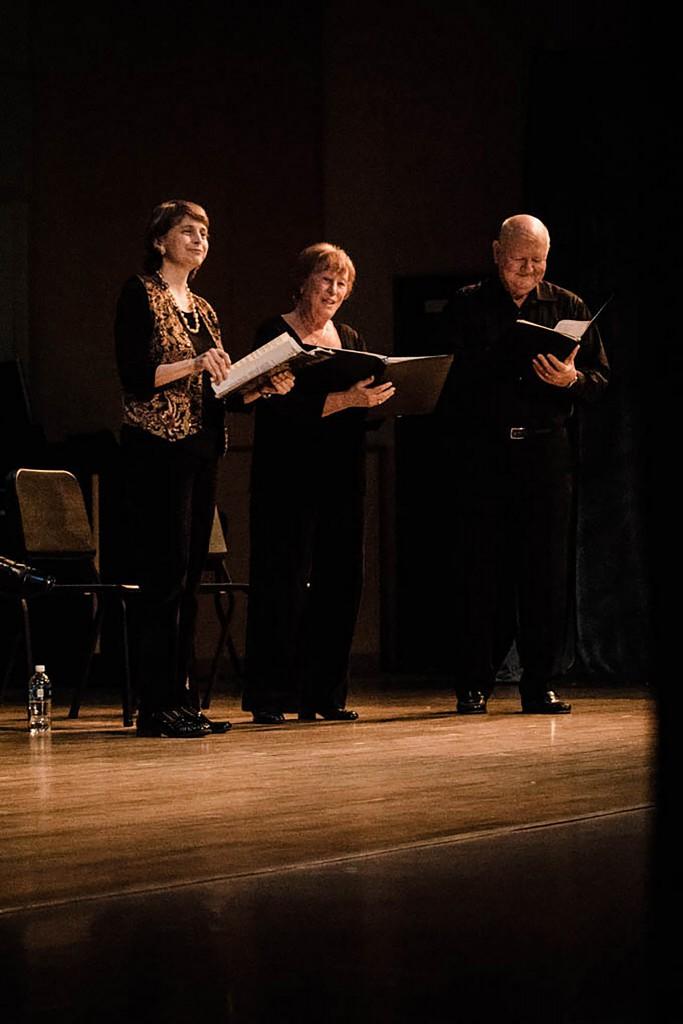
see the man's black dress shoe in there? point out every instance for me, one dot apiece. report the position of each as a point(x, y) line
point(471, 702)
point(547, 704)
point(172, 724)
point(329, 714)
point(208, 724)
point(267, 717)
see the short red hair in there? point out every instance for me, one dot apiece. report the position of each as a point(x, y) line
point(321, 256)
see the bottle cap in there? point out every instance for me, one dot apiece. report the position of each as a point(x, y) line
point(40, 668)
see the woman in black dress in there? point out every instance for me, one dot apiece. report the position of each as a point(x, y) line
point(169, 352)
point(307, 513)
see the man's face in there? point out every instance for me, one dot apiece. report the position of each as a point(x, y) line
point(521, 264)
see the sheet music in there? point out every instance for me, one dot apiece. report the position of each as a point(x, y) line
point(574, 329)
point(269, 357)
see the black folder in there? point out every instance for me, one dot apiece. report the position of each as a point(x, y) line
point(530, 339)
point(418, 379)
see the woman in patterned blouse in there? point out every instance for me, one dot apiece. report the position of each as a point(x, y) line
point(169, 353)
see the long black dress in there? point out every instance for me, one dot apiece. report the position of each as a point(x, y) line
point(306, 528)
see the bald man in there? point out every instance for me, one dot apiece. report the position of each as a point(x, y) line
point(505, 413)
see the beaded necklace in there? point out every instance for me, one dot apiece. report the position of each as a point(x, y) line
point(185, 317)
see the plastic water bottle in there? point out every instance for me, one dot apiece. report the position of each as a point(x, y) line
point(39, 701)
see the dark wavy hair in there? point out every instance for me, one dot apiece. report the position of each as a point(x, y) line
point(321, 256)
point(164, 217)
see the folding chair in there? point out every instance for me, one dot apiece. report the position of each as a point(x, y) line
point(221, 586)
point(53, 530)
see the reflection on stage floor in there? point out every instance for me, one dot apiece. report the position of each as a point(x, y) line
point(412, 866)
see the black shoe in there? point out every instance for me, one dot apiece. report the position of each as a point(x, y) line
point(267, 717)
point(329, 714)
point(471, 702)
point(547, 704)
point(208, 725)
point(172, 724)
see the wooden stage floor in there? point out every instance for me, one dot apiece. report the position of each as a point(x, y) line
point(350, 871)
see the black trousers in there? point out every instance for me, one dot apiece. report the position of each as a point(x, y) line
point(514, 524)
point(170, 495)
point(305, 584)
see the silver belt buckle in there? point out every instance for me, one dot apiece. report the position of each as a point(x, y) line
point(517, 433)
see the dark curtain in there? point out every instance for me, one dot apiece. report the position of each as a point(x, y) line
point(581, 179)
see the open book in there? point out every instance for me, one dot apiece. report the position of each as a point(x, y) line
point(281, 353)
point(561, 339)
point(418, 379)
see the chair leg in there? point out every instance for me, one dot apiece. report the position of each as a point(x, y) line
point(225, 640)
point(234, 656)
point(213, 675)
point(97, 626)
point(11, 662)
point(127, 692)
point(28, 647)
point(206, 699)
point(221, 615)
point(9, 665)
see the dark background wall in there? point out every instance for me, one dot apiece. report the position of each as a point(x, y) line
point(404, 132)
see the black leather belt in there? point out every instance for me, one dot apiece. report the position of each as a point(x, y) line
point(522, 433)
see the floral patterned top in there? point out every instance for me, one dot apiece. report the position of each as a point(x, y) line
point(149, 331)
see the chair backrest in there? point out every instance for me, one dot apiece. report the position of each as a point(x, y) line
point(52, 517)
